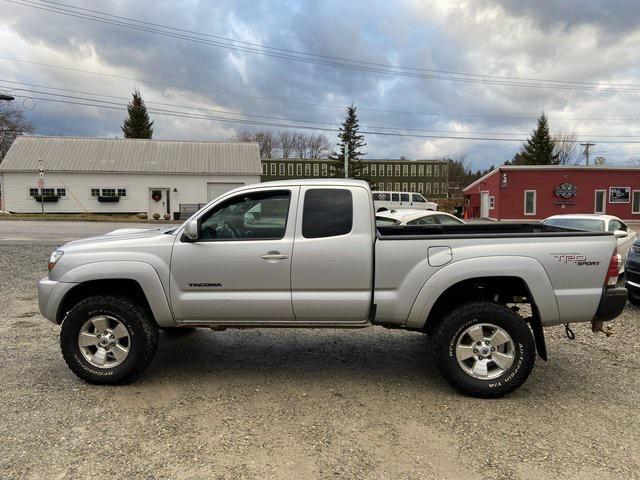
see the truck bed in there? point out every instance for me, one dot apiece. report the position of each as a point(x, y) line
point(498, 230)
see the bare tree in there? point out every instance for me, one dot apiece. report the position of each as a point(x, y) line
point(318, 146)
point(268, 143)
point(301, 142)
point(567, 147)
point(12, 124)
point(287, 143)
point(244, 137)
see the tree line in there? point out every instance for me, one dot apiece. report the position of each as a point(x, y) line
point(287, 143)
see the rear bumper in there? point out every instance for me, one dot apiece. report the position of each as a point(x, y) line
point(612, 303)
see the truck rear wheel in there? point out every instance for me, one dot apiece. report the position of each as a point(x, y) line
point(484, 349)
point(108, 339)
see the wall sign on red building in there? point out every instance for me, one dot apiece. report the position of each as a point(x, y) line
point(535, 192)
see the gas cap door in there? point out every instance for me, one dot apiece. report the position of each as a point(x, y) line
point(439, 256)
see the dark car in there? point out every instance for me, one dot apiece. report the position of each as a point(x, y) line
point(633, 273)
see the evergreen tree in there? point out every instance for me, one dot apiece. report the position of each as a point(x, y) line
point(348, 135)
point(540, 147)
point(137, 124)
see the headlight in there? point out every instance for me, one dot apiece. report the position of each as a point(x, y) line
point(53, 259)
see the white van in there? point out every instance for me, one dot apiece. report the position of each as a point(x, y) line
point(392, 200)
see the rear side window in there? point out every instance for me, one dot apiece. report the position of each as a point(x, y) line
point(404, 197)
point(380, 197)
point(395, 197)
point(327, 212)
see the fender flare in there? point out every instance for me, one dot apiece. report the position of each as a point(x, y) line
point(142, 273)
point(528, 269)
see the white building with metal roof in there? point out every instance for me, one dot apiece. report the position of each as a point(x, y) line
point(102, 175)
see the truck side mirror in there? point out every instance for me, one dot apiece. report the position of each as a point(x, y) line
point(190, 232)
point(621, 234)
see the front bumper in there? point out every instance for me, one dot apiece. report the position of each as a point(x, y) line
point(612, 303)
point(50, 295)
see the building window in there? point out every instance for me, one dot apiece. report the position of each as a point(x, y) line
point(324, 169)
point(95, 192)
point(299, 169)
point(436, 188)
point(108, 192)
point(61, 192)
point(421, 170)
point(397, 170)
point(316, 170)
point(373, 170)
point(599, 203)
point(444, 170)
point(33, 192)
point(412, 187)
point(307, 169)
point(122, 192)
point(290, 169)
point(405, 170)
point(332, 169)
point(281, 168)
point(420, 187)
point(413, 170)
point(264, 168)
point(429, 170)
point(396, 186)
point(273, 169)
point(635, 201)
point(492, 202)
point(404, 186)
point(444, 187)
point(48, 192)
point(389, 170)
point(365, 170)
point(529, 202)
point(436, 170)
point(427, 188)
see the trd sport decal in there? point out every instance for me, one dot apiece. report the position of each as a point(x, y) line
point(575, 258)
point(204, 284)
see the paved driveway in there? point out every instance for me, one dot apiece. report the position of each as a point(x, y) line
point(42, 232)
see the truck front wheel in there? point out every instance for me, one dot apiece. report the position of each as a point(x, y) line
point(484, 349)
point(108, 339)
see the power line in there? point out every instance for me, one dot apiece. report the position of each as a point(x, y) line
point(209, 110)
point(296, 102)
point(318, 59)
point(173, 113)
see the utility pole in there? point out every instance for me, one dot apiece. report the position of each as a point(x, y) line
point(586, 149)
point(346, 160)
point(41, 183)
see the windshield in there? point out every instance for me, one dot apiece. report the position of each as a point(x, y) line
point(590, 224)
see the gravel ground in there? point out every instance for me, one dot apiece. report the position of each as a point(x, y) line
point(308, 404)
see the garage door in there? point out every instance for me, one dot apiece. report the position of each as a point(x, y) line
point(216, 189)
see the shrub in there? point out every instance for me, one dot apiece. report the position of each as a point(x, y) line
point(156, 216)
point(142, 216)
point(166, 216)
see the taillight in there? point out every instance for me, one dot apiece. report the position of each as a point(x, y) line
point(612, 271)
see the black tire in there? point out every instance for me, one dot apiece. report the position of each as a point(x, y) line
point(142, 331)
point(454, 325)
point(178, 331)
point(634, 298)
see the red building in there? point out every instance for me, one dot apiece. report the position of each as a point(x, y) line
point(533, 192)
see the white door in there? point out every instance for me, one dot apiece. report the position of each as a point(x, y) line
point(239, 269)
point(159, 201)
point(215, 189)
point(484, 204)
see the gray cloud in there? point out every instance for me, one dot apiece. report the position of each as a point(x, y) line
point(508, 39)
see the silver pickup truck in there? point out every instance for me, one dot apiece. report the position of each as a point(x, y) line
point(308, 254)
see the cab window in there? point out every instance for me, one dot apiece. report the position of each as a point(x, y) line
point(253, 216)
point(616, 225)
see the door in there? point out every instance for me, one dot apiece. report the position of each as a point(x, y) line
point(332, 269)
point(240, 267)
point(484, 204)
point(159, 201)
point(405, 200)
point(215, 189)
point(599, 206)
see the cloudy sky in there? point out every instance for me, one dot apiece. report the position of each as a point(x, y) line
point(417, 69)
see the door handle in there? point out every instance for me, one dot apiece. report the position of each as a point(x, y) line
point(275, 256)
